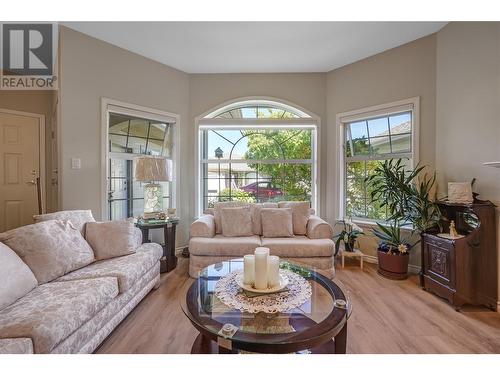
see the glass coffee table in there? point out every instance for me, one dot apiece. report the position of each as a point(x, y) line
point(317, 326)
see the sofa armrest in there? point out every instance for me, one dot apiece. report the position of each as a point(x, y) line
point(317, 228)
point(137, 237)
point(203, 227)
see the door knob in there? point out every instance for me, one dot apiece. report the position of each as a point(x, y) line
point(32, 182)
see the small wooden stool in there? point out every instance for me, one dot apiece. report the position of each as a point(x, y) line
point(353, 254)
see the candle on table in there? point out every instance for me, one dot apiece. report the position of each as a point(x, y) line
point(249, 269)
point(261, 255)
point(273, 271)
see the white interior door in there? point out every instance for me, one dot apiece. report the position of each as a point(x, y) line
point(20, 165)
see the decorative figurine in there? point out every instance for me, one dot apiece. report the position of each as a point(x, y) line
point(453, 231)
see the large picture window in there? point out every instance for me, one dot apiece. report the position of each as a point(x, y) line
point(130, 137)
point(257, 152)
point(369, 138)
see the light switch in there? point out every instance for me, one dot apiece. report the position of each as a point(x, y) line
point(76, 163)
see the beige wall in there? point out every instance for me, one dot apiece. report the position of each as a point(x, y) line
point(459, 63)
point(400, 73)
point(468, 106)
point(307, 90)
point(90, 70)
point(42, 103)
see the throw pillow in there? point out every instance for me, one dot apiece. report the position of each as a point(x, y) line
point(51, 248)
point(276, 222)
point(236, 222)
point(111, 239)
point(217, 212)
point(255, 210)
point(300, 215)
point(77, 217)
point(16, 279)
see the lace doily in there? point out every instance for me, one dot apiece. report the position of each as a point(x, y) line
point(228, 291)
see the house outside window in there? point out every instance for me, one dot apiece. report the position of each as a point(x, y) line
point(257, 151)
point(369, 137)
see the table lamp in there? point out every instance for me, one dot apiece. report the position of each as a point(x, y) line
point(152, 170)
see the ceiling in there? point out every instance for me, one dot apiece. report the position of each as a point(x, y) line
point(256, 47)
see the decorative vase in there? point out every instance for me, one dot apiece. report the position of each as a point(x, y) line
point(393, 266)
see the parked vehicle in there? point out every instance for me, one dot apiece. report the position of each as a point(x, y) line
point(262, 190)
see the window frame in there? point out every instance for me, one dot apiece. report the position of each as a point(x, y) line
point(127, 109)
point(207, 121)
point(406, 105)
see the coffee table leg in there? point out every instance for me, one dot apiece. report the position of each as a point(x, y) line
point(340, 341)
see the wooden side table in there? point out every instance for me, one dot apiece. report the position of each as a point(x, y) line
point(169, 261)
point(353, 254)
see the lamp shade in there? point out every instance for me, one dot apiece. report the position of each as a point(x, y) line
point(153, 169)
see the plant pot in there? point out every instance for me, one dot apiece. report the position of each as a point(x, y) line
point(393, 266)
point(349, 246)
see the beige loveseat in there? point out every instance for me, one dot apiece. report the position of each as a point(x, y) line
point(75, 312)
point(208, 245)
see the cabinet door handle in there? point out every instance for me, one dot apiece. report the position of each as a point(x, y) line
point(473, 244)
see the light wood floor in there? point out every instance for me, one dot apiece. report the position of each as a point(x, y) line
point(388, 317)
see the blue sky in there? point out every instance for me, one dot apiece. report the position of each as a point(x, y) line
point(215, 141)
point(377, 126)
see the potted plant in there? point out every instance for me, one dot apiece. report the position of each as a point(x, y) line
point(349, 234)
point(407, 195)
point(393, 251)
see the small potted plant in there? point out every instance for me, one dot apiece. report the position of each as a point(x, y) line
point(393, 251)
point(349, 234)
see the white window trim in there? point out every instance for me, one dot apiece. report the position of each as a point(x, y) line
point(313, 121)
point(110, 105)
point(410, 104)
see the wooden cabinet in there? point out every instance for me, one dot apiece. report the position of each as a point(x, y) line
point(464, 270)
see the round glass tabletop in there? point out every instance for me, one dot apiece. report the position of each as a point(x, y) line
point(313, 323)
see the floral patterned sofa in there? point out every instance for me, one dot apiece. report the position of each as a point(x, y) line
point(310, 243)
point(77, 310)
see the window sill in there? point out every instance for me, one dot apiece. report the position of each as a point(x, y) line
point(369, 224)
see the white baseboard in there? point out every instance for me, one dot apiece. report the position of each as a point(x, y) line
point(374, 260)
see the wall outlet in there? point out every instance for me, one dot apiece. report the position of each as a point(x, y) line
point(76, 163)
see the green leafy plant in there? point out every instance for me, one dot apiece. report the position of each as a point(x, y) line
point(349, 234)
point(236, 195)
point(392, 240)
point(406, 193)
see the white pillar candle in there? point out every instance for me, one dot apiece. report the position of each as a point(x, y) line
point(273, 271)
point(261, 254)
point(249, 269)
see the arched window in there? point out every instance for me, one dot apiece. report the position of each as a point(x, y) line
point(257, 151)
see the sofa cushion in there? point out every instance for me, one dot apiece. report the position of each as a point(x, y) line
point(217, 212)
point(53, 311)
point(127, 269)
point(224, 246)
point(236, 222)
point(77, 217)
point(255, 210)
point(299, 246)
point(16, 278)
point(21, 345)
point(50, 248)
point(276, 222)
point(111, 239)
point(300, 215)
